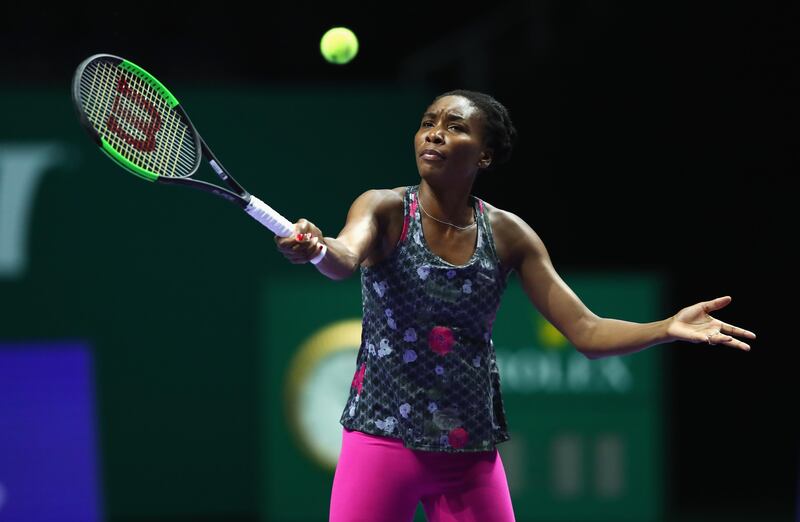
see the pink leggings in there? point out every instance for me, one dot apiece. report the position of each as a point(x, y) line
point(378, 479)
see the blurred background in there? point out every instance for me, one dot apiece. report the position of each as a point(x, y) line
point(159, 360)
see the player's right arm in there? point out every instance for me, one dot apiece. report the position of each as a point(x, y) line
point(359, 237)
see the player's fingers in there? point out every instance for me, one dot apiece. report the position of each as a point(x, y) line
point(302, 250)
point(716, 304)
point(285, 246)
point(301, 242)
point(291, 242)
point(730, 341)
point(735, 330)
point(313, 248)
point(303, 226)
point(301, 246)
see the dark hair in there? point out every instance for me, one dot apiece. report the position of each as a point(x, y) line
point(500, 132)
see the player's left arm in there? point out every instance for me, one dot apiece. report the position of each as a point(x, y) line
point(596, 336)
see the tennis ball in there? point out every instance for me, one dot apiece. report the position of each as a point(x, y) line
point(339, 45)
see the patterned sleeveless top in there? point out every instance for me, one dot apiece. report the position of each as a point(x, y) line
point(426, 371)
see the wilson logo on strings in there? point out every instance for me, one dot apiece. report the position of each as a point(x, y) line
point(123, 117)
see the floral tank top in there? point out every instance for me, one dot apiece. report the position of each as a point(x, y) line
point(426, 371)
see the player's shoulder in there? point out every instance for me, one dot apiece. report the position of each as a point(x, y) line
point(512, 235)
point(394, 195)
point(388, 197)
point(503, 221)
point(382, 202)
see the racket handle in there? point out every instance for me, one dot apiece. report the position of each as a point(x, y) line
point(268, 217)
point(281, 226)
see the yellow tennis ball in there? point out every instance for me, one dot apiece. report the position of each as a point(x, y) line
point(339, 45)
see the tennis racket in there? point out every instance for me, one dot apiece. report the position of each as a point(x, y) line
point(143, 128)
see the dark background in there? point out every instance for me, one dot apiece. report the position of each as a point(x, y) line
point(653, 135)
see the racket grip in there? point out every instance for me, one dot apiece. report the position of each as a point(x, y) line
point(281, 226)
point(268, 217)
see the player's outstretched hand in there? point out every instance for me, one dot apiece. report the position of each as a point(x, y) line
point(695, 325)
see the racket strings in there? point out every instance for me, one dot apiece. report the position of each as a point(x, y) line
point(120, 135)
point(162, 159)
point(137, 121)
point(141, 90)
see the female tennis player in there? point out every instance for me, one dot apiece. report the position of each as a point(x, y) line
point(425, 410)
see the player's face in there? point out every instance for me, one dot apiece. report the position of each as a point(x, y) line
point(449, 142)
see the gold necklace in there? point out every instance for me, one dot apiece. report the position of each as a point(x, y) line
point(419, 199)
